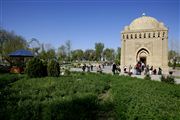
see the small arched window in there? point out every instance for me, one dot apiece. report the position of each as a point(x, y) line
point(123, 36)
point(131, 36)
point(127, 37)
point(144, 35)
point(140, 35)
point(149, 35)
point(154, 34)
point(135, 35)
point(158, 34)
point(163, 34)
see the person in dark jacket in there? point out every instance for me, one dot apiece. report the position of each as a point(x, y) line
point(114, 68)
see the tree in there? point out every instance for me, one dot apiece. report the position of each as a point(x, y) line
point(62, 55)
point(68, 47)
point(51, 54)
point(10, 42)
point(35, 45)
point(99, 50)
point(43, 55)
point(77, 54)
point(172, 54)
point(118, 55)
point(90, 55)
point(109, 54)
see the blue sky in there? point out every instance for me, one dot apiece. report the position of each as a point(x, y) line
point(85, 22)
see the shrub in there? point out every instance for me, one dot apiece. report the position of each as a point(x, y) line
point(147, 77)
point(4, 69)
point(36, 68)
point(67, 72)
point(53, 68)
point(168, 79)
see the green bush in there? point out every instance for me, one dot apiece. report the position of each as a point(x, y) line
point(168, 79)
point(4, 69)
point(53, 68)
point(67, 72)
point(36, 68)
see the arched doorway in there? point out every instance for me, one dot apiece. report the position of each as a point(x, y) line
point(143, 56)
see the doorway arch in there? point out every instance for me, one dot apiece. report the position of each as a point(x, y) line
point(143, 55)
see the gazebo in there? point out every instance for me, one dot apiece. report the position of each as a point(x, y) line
point(19, 61)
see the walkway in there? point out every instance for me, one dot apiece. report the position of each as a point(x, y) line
point(107, 69)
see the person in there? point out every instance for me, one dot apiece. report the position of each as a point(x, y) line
point(114, 68)
point(160, 71)
point(146, 69)
point(151, 70)
point(134, 70)
point(88, 68)
point(125, 69)
point(154, 71)
point(84, 67)
point(130, 70)
point(118, 68)
point(91, 67)
point(142, 66)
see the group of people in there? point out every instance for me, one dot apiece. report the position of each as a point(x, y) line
point(140, 68)
point(88, 67)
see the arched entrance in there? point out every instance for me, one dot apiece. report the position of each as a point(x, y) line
point(143, 56)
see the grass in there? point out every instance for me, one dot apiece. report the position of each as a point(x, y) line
point(87, 96)
point(69, 97)
point(142, 99)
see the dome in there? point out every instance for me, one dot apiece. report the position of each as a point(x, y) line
point(144, 22)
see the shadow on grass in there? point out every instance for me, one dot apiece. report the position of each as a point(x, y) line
point(76, 108)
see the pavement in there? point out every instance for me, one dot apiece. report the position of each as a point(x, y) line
point(107, 69)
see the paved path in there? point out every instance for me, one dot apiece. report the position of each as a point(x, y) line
point(107, 69)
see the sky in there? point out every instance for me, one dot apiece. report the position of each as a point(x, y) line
point(85, 22)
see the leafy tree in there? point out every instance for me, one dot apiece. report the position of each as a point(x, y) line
point(53, 68)
point(99, 50)
point(109, 54)
point(68, 47)
point(36, 68)
point(10, 42)
point(90, 54)
point(77, 54)
point(118, 55)
point(172, 54)
point(62, 54)
point(35, 45)
point(43, 55)
point(51, 54)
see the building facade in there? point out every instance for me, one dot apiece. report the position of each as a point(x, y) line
point(145, 40)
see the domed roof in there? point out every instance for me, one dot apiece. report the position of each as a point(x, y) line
point(144, 22)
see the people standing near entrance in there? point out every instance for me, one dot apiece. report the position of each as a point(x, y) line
point(151, 70)
point(160, 71)
point(146, 69)
point(114, 68)
point(142, 66)
point(154, 71)
point(138, 68)
point(130, 70)
point(125, 68)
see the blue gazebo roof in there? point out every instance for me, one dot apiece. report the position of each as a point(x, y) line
point(21, 53)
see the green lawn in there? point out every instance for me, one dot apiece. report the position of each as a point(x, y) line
point(87, 96)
